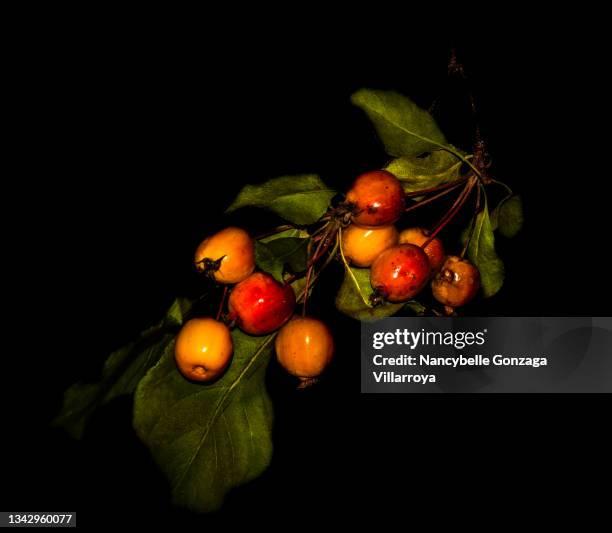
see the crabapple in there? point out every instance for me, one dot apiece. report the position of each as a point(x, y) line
point(228, 255)
point(434, 250)
point(260, 305)
point(203, 349)
point(361, 246)
point(400, 272)
point(456, 283)
point(377, 198)
point(304, 347)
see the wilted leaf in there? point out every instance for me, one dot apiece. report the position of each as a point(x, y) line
point(353, 298)
point(272, 256)
point(404, 128)
point(507, 217)
point(122, 371)
point(208, 438)
point(300, 199)
point(481, 251)
point(418, 173)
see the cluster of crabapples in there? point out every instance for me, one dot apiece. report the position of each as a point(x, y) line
point(258, 305)
point(401, 263)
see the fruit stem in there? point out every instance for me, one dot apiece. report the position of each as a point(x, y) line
point(431, 198)
point(473, 222)
point(510, 193)
point(316, 236)
point(325, 240)
point(301, 297)
point(450, 214)
point(307, 288)
point(330, 256)
point(222, 303)
point(307, 382)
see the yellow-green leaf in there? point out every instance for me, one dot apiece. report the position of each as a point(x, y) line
point(481, 251)
point(403, 127)
point(430, 170)
point(302, 199)
point(353, 298)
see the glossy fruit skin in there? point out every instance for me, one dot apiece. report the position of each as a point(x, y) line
point(304, 347)
point(260, 304)
point(400, 272)
point(203, 349)
point(236, 248)
point(434, 250)
point(361, 246)
point(378, 199)
point(456, 283)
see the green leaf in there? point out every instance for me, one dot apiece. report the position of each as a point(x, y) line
point(300, 199)
point(416, 307)
point(293, 232)
point(353, 298)
point(507, 217)
point(208, 438)
point(299, 286)
point(404, 128)
point(481, 251)
point(177, 314)
point(416, 173)
point(122, 371)
point(272, 256)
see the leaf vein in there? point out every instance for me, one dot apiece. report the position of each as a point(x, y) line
point(218, 408)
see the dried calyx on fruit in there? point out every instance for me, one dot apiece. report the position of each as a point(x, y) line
point(228, 256)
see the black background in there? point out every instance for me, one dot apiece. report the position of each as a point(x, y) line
point(135, 142)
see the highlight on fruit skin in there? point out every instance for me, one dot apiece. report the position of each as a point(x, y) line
point(377, 198)
point(228, 255)
point(361, 246)
point(203, 349)
point(434, 250)
point(304, 347)
point(400, 272)
point(260, 305)
point(456, 283)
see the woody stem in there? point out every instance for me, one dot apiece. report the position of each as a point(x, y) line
point(436, 188)
point(222, 303)
point(450, 214)
point(431, 198)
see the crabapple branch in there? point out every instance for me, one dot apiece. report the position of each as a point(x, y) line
point(222, 302)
